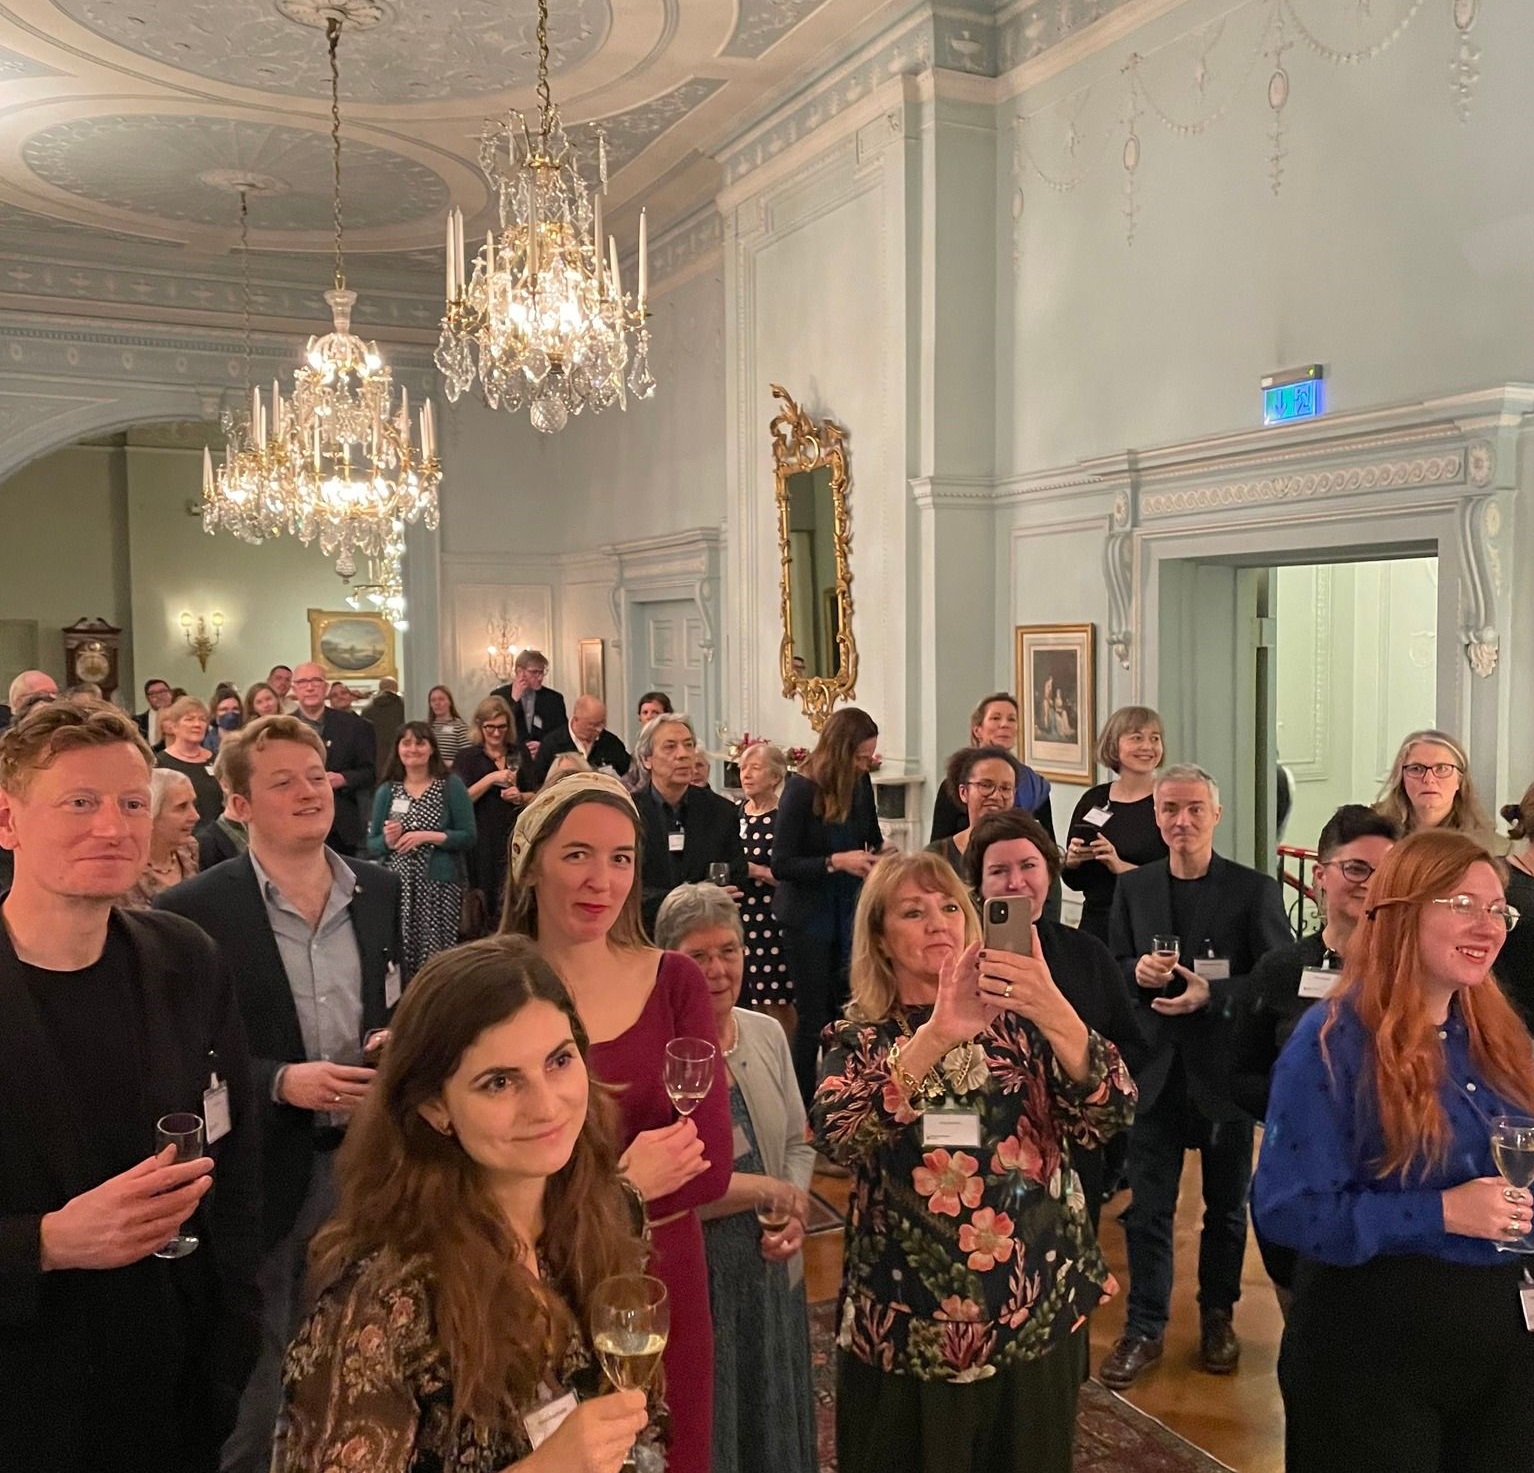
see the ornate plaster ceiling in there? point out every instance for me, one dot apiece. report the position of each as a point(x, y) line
point(131, 120)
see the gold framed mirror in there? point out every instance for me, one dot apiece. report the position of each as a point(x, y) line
point(819, 655)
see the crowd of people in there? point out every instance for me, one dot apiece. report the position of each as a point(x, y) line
point(437, 994)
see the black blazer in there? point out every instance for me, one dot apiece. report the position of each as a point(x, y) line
point(226, 902)
point(215, 844)
point(1242, 916)
point(806, 891)
point(350, 749)
point(607, 751)
point(1266, 1014)
point(548, 713)
point(711, 835)
point(64, 1405)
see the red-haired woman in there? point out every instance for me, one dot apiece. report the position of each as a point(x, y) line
point(480, 1207)
point(1407, 1349)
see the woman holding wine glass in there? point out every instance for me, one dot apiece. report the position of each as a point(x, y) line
point(1406, 1349)
point(574, 888)
point(463, 1281)
point(764, 1419)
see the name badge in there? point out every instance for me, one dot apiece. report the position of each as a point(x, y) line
point(1319, 982)
point(215, 1111)
point(676, 842)
point(543, 1422)
point(1526, 1297)
point(400, 806)
point(950, 1127)
point(1097, 817)
point(1212, 968)
point(538, 722)
point(393, 984)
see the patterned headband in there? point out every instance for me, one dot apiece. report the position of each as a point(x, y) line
point(552, 804)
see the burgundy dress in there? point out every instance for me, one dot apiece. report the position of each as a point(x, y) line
point(678, 1007)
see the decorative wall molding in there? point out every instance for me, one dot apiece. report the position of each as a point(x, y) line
point(1429, 470)
point(1119, 573)
point(1480, 520)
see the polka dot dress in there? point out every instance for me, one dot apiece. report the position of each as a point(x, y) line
point(767, 979)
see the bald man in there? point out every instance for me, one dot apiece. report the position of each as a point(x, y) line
point(29, 689)
point(588, 735)
point(350, 756)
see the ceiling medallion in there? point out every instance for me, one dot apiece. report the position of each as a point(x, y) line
point(346, 464)
point(540, 315)
point(243, 182)
point(360, 15)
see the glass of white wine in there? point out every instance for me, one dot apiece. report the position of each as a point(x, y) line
point(774, 1209)
point(689, 1072)
point(630, 1320)
point(1512, 1148)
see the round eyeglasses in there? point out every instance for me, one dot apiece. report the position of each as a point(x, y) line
point(1354, 871)
point(1468, 905)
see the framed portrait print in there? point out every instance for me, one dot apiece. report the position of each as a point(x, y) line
point(348, 645)
point(593, 675)
point(1057, 691)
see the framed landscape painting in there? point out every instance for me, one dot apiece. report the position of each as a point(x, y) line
point(348, 645)
point(593, 674)
point(1057, 694)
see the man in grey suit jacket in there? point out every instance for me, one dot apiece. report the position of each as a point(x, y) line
point(1225, 917)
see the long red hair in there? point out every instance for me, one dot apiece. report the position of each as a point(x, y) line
point(1382, 985)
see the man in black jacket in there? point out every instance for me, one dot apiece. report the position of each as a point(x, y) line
point(385, 713)
point(312, 940)
point(109, 1021)
point(588, 735)
point(687, 829)
point(1224, 917)
point(350, 757)
point(537, 709)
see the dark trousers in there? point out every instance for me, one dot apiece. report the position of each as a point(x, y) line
point(1021, 1420)
point(1407, 1365)
point(1157, 1143)
point(819, 974)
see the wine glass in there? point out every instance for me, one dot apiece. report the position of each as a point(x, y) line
point(719, 874)
point(1512, 1148)
point(184, 1131)
point(689, 1072)
point(774, 1209)
point(630, 1320)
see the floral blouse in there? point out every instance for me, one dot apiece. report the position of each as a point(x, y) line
point(959, 1261)
point(369, 1386)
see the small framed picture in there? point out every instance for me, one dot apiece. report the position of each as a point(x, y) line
point(348, 645)
point(593, 675)
point(1057, 691)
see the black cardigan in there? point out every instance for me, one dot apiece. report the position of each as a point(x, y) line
point(801, 841)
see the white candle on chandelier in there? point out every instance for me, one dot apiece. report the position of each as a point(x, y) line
point(207, 471)
point(612, 252)
point(403, 422)
point(425, 417)
point(644, 262)
point(431, 431)
point(276, 410)
point(489, 254)
point(255, 416)
point(452, 283)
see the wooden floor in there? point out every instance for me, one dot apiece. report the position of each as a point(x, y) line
point(1238, 1418)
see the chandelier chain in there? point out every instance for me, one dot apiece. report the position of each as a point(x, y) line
point(245, 284)
point(545, 97)
point(333, 40)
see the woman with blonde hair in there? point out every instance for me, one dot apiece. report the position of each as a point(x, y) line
point(1407, 1348)
point(480, 1209)
point(184, 724)
point(1429, 787)
point(574, 888)
point(956, 1090)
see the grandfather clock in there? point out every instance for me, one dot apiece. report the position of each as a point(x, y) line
point(90, 654)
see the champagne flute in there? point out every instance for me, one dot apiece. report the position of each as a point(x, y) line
point(689, 1072)
point(184, 1131)
point(1512, 1148)
point(630, 1321)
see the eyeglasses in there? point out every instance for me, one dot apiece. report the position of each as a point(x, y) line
point(1467, 906)
point(310, 680)
point(494, 726)
point(988, 789)
point(1355, 871)
point(1419, 770)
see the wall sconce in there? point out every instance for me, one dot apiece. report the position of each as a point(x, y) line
point(202, 644)
point(501, 653)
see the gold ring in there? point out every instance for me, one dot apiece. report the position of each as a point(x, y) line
point(1007, 990)
point(1514, 1227)
point(1511, 1193)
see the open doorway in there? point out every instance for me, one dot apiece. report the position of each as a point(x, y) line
point(1354, 669)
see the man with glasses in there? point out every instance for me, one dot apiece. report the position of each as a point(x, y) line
point(157, 695)
point(1288, 982)
point(539, 710)
point(350, 757)
point(1187, 931)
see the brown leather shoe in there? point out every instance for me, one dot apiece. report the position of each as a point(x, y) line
point(1218, 1349)
point(1130, 1355)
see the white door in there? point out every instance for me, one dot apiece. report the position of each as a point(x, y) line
point(669, 657)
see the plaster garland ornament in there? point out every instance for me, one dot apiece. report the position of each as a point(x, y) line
point(1480, 522)
point(1464, 70)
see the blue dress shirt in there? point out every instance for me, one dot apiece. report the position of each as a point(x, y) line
point(1317, 1189)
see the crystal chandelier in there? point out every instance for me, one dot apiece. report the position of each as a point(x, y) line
point(540, 314)
point(344, 461)
point(382, 588)
point(239, 497)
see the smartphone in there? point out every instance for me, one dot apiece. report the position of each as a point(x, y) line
point(1086, 832)
point(1008, 926)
